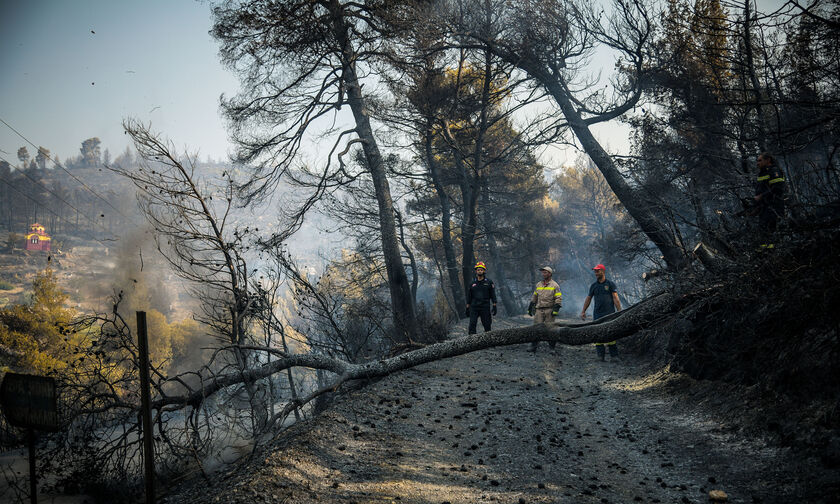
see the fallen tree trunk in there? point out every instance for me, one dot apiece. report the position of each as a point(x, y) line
point(712, 260)
point(610, 328)
point(193, 395)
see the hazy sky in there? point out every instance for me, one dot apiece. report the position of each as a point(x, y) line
point(154, 60)
point(71, 70)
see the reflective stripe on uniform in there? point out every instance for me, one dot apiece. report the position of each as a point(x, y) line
point(776, 180)
point(546, 294)
point(763, 178)
point(558, 294)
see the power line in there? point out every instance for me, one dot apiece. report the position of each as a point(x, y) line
point(30, 198)
point(18, 133)
point(41, 204)
point(23, 172)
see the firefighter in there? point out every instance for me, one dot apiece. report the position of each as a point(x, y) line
point(545, 303)
point(769, 198)
point(606, 302)
point(481, 299)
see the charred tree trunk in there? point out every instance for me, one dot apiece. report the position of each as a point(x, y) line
point(657, 231)
point(636, 206)
point(478, 154)
point(468, 235)
point(412, 261)
point(712, 260)
point(468, 186)
point(445, 225)
point(259, 414)
point(697, 204)
point(402, 303)
point(292, 388)
point(508, 300)
point(756, 87)
point(472, 175)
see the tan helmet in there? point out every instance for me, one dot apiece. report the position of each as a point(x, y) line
point(547, 268)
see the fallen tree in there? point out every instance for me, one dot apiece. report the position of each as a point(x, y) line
point(614, 327)
point(735, 328)
point(201, 413)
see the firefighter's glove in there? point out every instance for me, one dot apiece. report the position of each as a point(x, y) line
point(532, 309)
point(494, 310)
point(556, 310)
point(467, 311)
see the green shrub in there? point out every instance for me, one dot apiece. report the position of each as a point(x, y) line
point(4, 285)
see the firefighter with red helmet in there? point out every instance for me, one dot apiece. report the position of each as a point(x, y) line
point(605, 294)
point(481, 299)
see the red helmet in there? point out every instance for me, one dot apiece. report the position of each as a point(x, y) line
point(599, 267)
point(480, 264)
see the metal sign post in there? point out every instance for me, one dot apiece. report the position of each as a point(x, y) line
point(146, 405)
point(29, 402)
point(33, 476)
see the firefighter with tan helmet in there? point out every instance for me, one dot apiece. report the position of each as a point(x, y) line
point(481, 299)
point(545, 303)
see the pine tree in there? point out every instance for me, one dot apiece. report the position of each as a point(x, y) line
point(41, 157)
point(23, 156)
point(36, 333)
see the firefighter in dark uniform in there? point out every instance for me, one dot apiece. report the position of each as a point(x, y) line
point(605, 294)
point(769, 198)
point(481, 299)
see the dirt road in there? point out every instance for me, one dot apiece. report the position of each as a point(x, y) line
point(504, 425)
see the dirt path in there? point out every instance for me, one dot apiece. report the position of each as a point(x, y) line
point(507, 426)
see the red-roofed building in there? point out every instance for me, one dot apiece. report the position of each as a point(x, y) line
point(37, 238)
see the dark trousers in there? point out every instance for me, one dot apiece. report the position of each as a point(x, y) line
point(599, 347)
point(601, 351)
point(475, 313)
point(768, 220)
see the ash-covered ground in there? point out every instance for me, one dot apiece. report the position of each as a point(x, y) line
point(504, 425)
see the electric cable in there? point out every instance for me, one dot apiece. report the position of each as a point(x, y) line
point(23, 172)
point(30, 198)
point(56, 163)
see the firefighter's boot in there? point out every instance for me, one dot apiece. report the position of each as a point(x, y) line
point(614, 353)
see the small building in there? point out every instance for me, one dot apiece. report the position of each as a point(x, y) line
point(37, 238)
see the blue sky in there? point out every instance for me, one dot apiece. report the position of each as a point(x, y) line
point(153, 60)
